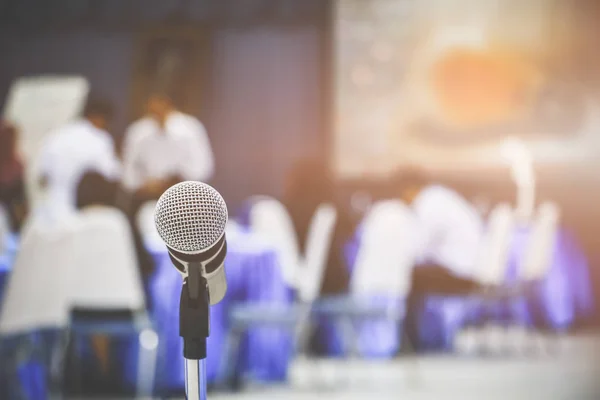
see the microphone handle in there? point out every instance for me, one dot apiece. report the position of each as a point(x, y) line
point(195, 379)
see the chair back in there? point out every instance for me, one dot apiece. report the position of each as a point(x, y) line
point(36, 295)
point(269, 218)
point(538, 255)
point(388, 250)
point(318, 245)
point(493, 261)
point(4, 228)
point(145, 224)
point(104, 270)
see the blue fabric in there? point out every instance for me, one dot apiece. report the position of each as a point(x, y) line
point(7, 259)
point(565, 294)
point(251, 277)
point(23, 360)
point(32, 376)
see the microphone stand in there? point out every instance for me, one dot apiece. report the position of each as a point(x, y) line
point(195, 379)
point(194, 328)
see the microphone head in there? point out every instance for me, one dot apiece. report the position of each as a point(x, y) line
point(190, 217)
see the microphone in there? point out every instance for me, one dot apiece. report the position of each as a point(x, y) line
point(190, 218)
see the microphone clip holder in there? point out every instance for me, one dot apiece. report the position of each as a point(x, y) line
point(194, 313)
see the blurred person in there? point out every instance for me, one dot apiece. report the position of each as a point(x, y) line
point(163, 148)
point(450, 232)
point(12, 184)
point(93, 191)
point(451, 227)
point(80, 146)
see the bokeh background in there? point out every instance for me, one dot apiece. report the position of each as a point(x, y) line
point(325, 103)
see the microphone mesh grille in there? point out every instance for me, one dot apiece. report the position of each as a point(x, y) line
point(190, 216)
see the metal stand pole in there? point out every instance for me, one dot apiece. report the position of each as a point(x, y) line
point(194, 328)
point(195, 379)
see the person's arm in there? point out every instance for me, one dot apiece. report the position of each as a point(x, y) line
point(199, 159)
point(109, 164)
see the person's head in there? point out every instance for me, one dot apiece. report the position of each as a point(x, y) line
point(159, 106)
point(95, 190)
point(408, 182)
point(99, 112)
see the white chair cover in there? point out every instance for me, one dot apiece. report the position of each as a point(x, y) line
point(144, 220)
point(103, 269)
point(492, 265)
point(37, 295)
point(318, 244)
point(388, 250)
point(270, 219)
point(538, 255)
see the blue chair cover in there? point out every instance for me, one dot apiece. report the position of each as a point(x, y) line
point(565, 294)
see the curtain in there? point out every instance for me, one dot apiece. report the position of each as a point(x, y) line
point(265, 108)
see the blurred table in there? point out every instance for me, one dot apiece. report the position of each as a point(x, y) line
point(253, 275)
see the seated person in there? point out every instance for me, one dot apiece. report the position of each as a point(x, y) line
point(450, 231)
point(74, 149)
point(12, 185)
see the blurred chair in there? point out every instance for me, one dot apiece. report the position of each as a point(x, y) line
point(491, 267)
point(36, 303)
point(537, 259)
point(310, 274)
point(532, 269)
point(106, 293)
point(270, 218)
point(296, 317)
point(4, 229)
point(538, 255)
point(145, 224)
point(318, 246)
point(381, 278)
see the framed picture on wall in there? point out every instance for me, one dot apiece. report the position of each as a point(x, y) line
point(171, 60)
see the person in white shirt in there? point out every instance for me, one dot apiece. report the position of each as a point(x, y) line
point(450, 231)
point(78, 147)
point(164, 147)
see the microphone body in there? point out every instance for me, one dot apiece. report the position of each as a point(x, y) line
point(191, 218)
